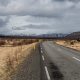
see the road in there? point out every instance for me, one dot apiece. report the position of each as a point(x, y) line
point(59, 63)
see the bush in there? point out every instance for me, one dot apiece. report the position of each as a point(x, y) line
point(72, 42)
point(2, 43)
point(17, 43)
point(78, 40)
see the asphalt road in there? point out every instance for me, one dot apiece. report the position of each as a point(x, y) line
point(59, 63)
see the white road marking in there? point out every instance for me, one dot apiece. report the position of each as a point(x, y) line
point(47, 73)
point(76, 59)
point(43, 57)
point(41, 48)
point(41, 51)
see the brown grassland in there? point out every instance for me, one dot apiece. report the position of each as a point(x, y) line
point(12, 53)
point(74, 44)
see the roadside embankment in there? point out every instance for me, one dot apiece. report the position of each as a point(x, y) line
point(74, 44)
point(20, 63)
point(29, 69)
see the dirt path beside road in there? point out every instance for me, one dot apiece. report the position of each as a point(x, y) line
point(29, 69)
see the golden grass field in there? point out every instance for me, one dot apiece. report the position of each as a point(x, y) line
point(74, 44)
point(11, 56)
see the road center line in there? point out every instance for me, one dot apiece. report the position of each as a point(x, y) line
point(41, 48)
point(43, 57)
point(41, 51)
point(76, 59)
point(47, 73)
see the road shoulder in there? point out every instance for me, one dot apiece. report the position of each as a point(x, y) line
point(30, 67)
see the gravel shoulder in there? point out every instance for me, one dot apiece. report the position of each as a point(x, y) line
point(29, 69)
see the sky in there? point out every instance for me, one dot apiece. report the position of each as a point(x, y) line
point(39, 16)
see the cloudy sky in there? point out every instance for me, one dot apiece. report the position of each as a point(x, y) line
point(39, 16)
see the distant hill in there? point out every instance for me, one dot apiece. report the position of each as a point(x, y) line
point(74, 35)
point(60, 35)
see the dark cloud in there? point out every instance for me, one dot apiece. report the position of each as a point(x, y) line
point(31, 26)
point(40, 8)
point(74, 0)
point(66, 0)
point(4, 2)
point(59, 0)
point(3, 22)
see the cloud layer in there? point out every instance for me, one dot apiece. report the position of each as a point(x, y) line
point(35, 16)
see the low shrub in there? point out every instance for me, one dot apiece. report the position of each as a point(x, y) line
point(2, 42)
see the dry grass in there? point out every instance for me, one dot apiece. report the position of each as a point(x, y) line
point(16, 42)
point(11, 56)
point(69, 43)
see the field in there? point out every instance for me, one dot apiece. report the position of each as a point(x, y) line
point(12, 53)
point(74, 44)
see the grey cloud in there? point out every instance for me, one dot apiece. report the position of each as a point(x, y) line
point(32, 26)
point(74, 0)
point(4, 2)
point(61, 15)
point(59, 0)
point(3, 23)
point(39, 8)
point(66, 0)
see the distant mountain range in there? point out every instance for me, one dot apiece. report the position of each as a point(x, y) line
point(74, 35)
point(52, 35)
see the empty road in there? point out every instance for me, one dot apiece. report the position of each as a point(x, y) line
point(59, 63)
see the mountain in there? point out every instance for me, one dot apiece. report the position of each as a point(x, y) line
point(74, 35)
point(53, 35)
point(45, 36)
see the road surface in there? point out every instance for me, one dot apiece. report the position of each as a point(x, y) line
point(59, 63)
